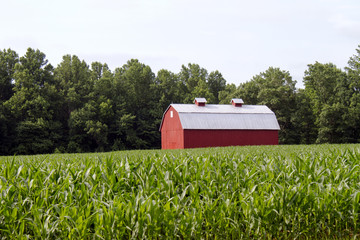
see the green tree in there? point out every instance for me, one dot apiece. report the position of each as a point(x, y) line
point(328, 90)
point(93, 126)
point(303, 119)
point(7, 133)
point(75, 84)
point(74, 78)
point(8, 60)
point(249, 91)
point(353, 75)
point(216, 84)
point(102, 128)
point(170, 89)
point(136, 84)
point(33, 106)
point(320, 83)
point(275, 89)
point(227, 94)
point(202, 90)
point(87, 133)
point(194, 78)
point(332, 126)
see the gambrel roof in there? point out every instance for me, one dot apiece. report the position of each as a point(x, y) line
point(225, 117)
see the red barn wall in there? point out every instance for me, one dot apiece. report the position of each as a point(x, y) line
point(172, 134)
point(222, 138)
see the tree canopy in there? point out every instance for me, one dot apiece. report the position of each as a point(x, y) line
point(77, 107)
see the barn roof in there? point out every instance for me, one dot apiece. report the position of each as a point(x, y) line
point(220, 116)
point(221, 108)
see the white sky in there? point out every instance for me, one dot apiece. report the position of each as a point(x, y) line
point(239, 38)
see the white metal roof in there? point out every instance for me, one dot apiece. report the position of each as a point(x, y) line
point(220, 116)
point(229, 121)
point(200, 100)
point(220, 108)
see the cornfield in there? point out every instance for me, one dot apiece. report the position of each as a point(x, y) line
point(258, 192)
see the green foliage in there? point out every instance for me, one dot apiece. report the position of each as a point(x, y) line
point(331, 121)
point(195, 80)
point(266, 192)
point(304, 119)
point(33, 105)
point(8, 60)
point(320, 83)
point(332, 92)
point(35, 137)
point(275, 89)
point(77, 107)
point(6, 131)
point(137, 84)
point(227, 94)
point(353, 72)
point(170, 89)
point(216, 84)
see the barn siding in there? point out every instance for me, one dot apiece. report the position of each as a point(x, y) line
point(172, 134)
point(222, 138)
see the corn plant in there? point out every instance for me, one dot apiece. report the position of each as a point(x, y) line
point(258, 192)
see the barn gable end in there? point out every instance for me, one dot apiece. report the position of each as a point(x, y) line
point(172, 133)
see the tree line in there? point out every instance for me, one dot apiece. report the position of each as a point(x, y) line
point(76, 107)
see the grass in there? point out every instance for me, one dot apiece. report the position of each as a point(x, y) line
point(266, 192)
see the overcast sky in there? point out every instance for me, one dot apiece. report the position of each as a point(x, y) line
point(238, 38)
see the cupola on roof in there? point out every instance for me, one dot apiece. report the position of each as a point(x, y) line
point(237, 102)
point(200, 101)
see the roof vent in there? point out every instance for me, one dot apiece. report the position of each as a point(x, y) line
point(200, 101)
point(237, 102)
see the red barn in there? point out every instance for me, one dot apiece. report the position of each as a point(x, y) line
point(213, 125)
